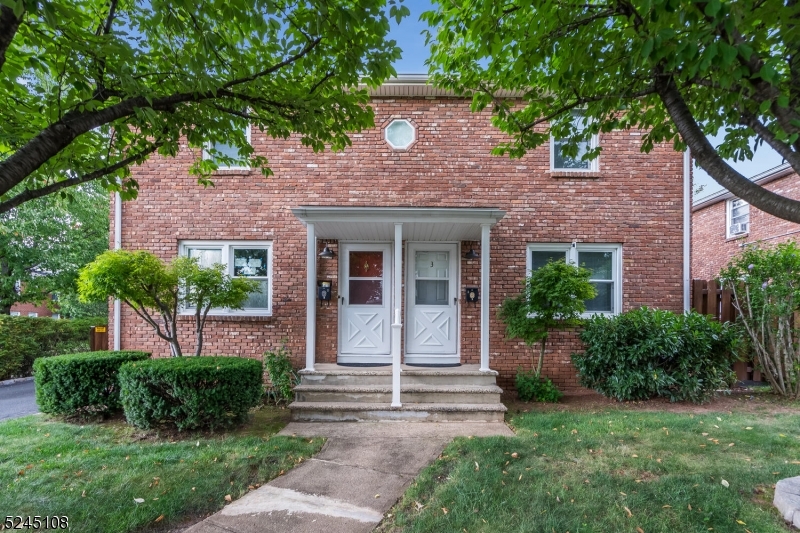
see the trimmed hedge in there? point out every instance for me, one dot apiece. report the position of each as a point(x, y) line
point(25, 339)
point(646, 353)
point(81, 383)
point(190, 392)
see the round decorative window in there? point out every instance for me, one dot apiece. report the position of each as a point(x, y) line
point(400, 134)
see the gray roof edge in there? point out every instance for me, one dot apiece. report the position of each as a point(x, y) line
point(761, 179)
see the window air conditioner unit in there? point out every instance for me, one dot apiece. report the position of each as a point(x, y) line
point(736, 229)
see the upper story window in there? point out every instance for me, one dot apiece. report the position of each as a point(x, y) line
point(562, 162)
point(245, 259)
point(217, 151)
point(14, 313)
point(738, 218)
point(400, 134)
point(604, 262)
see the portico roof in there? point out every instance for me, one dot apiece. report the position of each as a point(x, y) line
point(419, 223)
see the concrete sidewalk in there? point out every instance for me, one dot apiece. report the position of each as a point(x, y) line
point(358, 475)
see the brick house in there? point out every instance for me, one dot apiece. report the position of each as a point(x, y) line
point(31, 309)
point(418, 234)
point(722, 224)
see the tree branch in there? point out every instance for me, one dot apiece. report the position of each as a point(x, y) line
point(792, 157)
point(9, 24)
point(30, 194)
point(51, 140)
point(711, 161)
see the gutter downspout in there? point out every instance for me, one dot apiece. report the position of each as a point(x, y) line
point(687, 227)
point(117, 246)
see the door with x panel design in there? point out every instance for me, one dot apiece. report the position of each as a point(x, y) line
point(365, 306)
point(432, 304)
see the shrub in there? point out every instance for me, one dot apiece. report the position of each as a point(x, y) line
point(281, 374)
point(531, 386)
point(646, 353)
point(25, 339)
point(766, 288)
point(190, 392)
point(81, 383)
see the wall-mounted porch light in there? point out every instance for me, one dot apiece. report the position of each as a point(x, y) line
point(472, 254)
point(327, 253)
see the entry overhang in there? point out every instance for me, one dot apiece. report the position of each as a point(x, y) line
point(419, 223)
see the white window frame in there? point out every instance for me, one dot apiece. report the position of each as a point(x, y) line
point(729, 218)
point(207, 155)
point(15, 313)
point(33, 314)
point(227, 252)
point(390, 143)
point(571, 253)
point(594, 164)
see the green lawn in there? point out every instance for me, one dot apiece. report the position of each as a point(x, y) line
point(607, 471)
point(94, 473)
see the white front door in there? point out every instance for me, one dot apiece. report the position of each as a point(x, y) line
point(432, 304)
point(365, 303)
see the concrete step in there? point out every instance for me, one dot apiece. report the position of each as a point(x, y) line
point(409, 376)
point(411, 412)
point(463, 394)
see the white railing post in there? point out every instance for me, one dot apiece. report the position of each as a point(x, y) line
point(485, 297)
point(311, 296)
point(397, 326)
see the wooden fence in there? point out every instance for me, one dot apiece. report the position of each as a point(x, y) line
point(98, 338)
point(709, 298)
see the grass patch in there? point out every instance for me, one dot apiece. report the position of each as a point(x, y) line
point(609, 470)
point(92, 473)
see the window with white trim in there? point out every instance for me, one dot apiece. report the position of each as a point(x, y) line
point(242, 259)
point(603, 260)
point(213, 151)
point(737, 220)
point(561, 162)
point(33, 314)
point(15, 313)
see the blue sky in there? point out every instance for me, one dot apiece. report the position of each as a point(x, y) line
point(407, 35)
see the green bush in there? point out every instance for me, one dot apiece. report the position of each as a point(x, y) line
point(281, 374)
point(25, 339)
point(190, 392)
point(647, 353)
point(81, 383)
point(531, 386)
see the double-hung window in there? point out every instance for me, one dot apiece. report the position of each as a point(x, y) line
point(737, 218)
point(603, 261)
point(217, 150)
point(562, 162)
point(242, 259)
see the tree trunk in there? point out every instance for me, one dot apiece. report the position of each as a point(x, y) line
point(541, 357)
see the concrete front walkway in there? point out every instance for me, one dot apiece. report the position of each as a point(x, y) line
point(347, 487)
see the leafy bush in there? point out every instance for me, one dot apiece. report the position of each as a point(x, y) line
point(190, 392)
point(81, 383)
point(646, 353)
point(25, 339)
point(766, 287)
point(531, 386)
point(281, 374)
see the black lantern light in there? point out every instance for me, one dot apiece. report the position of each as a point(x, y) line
point(327, 253)
point(472, 254)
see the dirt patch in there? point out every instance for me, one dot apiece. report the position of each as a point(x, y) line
point(740, 401)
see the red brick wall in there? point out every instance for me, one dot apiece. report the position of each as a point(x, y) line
point(711, 250)
point(634, 199)
point(25, 308)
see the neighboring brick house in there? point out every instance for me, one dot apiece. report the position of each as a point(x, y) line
point(425, 171)
point(722, 224)
point(31, 309)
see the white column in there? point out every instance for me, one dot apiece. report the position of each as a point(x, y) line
point(485, 297)
point(397, 326)
point(311, 296)
point(117, 246)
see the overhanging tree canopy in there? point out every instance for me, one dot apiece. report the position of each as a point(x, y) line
point(682, 69)
point(90, 87)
